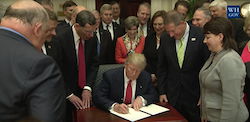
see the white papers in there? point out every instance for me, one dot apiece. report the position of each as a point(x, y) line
point(132, 115)
point(154, 109)
point(144, 112)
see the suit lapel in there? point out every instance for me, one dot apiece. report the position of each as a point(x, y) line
point(48, 48)
point(120, 84)
point(72, 48)
point(173, 52)
point(190, 45)
point(139, 86)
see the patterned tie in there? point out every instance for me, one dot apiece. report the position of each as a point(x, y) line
point(81, 65)
point(128, 93)
point(107, 27)
point(181, 52)
point(141, 31)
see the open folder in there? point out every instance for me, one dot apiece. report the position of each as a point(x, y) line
point(144, 112)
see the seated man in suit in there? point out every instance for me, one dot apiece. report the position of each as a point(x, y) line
point(129, 85)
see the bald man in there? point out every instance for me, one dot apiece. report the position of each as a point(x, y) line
point(31, 82)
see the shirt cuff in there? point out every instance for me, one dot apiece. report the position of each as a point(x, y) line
point(87, 88)
point(112, 106)
point(144, 102)
point(69, 96)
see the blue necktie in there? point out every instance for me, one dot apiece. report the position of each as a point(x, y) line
point(98, 44)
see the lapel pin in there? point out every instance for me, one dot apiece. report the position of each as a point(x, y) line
point(49, 47)
point(193, 39)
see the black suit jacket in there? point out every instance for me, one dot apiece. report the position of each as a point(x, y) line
point(149, 29)
point(105, 56)
point(171, 78)
point(122, 22)
point(70, 65)
point(61, 26)
point(151, 53)
point(53, 49)
point(118, 32)
point(240, 36)
point(112, 87)
point(31, 82)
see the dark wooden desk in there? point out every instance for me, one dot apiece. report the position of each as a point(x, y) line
point(94, 114)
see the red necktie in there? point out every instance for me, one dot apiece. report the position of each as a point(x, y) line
point(41, 50)
point(128, 97)
point(81, 65)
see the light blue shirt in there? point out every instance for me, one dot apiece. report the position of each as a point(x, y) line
point(11, 30)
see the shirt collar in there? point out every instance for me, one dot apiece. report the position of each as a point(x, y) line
point(11, 30)
point(67, 21)
point(76, 36)
point(117, 21)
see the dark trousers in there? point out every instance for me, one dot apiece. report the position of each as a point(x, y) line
point(186, 108)
point(71, 109)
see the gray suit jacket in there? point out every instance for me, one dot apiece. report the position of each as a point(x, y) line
point(31, 82)
point(222, 84)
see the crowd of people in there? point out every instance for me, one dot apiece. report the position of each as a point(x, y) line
point(200, 66)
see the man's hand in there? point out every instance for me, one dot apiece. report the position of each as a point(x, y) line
point(137, 104)
point(163, 98)
point(86, 98)
point(199, 102)
point(121, 108)
point(76, 101)
point(203, 120)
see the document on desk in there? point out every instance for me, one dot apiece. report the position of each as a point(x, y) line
point(154, 109)
point(132, 115)
point(144, 112)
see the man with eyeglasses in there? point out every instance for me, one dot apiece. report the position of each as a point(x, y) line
point(122, 86)
point(80, 62)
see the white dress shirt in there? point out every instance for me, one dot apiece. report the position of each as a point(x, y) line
point(76, 41)
point(133, 85)
point(44, 49)
point(185, 38)
point(111, 30)
point(117, 21)
point(144, 29)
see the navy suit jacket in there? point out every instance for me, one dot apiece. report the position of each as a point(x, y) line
point(171, 78)
point(70, 65)
point(54, 50)
point(112, 87)
point(31, 82)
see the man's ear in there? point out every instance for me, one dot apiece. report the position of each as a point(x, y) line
point(76, 26)
point(182, 22)
point(37, 28)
